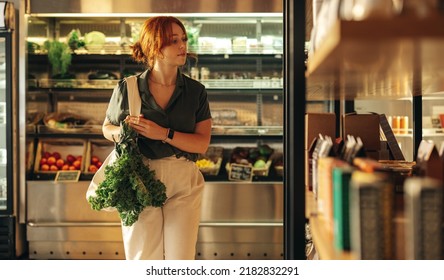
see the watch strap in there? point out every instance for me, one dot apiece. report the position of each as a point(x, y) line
point(170, 136)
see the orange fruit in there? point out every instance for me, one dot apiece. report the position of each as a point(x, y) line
point(77, 164)
point(92, 168)
point(51, 160)
point(53, 168)
point(60, 162)
point(44, 167)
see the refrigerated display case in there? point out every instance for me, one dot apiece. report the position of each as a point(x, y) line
point(6, 184)
point(11, 243)
point(239, 60)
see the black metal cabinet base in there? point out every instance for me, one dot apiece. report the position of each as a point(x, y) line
point(7, 237)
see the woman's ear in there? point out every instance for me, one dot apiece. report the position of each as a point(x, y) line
point(160, 55)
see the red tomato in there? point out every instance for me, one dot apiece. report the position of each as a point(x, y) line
point(94, 159)
point(56, 155)
point(70, 158)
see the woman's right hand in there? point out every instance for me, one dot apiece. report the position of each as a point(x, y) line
point(146, 127)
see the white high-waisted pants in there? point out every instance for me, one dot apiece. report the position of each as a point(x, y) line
point(168, 232)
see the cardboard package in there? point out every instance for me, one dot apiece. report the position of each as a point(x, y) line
point(365, 126)
point(319, 123)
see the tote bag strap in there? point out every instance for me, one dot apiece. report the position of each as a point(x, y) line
point(134, 101)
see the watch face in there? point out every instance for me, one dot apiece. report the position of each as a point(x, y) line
point(170, 134)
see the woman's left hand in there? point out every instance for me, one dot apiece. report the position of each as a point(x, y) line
point(146, 127)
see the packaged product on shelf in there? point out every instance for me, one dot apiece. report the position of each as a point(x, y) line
point(101, 79)
point(67, 122)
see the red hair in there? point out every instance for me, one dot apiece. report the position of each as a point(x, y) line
point(156, 33)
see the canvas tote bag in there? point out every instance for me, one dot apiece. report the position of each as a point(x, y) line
point(134, 103)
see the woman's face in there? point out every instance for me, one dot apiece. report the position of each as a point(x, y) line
point(176, 53)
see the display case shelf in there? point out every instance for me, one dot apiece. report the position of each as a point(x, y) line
point(114, 50)
point(240, 84)
point(95, 131)
point(376, 59)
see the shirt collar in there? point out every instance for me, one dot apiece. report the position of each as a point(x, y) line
point(142, 80)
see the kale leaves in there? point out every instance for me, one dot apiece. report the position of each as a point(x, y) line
point(129, 184)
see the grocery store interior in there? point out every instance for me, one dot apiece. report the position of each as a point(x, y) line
point(328, 124)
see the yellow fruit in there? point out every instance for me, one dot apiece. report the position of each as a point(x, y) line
point(205, 163)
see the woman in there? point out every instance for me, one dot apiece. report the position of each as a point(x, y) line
point(174, 127)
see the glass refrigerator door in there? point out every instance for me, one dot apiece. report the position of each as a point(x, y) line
point(5, 125)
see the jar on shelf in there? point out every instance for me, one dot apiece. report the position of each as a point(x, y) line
point(403, 124)
point(275, 82)
point(266, 83)
point(194, 73)
point(204, 73)
point(257, 83)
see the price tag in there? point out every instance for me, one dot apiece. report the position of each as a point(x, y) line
point(240, 172)
point(67, 176)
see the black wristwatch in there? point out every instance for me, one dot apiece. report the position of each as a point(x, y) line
point(170, 136)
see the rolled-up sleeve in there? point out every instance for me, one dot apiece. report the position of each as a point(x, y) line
point(118, 104)
point(203, 112)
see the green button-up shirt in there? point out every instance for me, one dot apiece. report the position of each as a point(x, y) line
point(187, 106)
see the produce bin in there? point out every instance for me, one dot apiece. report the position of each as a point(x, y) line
point(210, 162)
point(71, 151)
point(96, 153)
point(250, 156)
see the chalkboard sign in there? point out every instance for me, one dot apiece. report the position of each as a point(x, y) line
point(240, 172)
point(67, 176)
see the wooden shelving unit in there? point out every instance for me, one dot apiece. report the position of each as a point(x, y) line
point(322, 238)
point(372, 59)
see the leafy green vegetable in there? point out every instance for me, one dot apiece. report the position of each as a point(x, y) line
point(74, 41)
point(129, 184)
point(59, 55)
